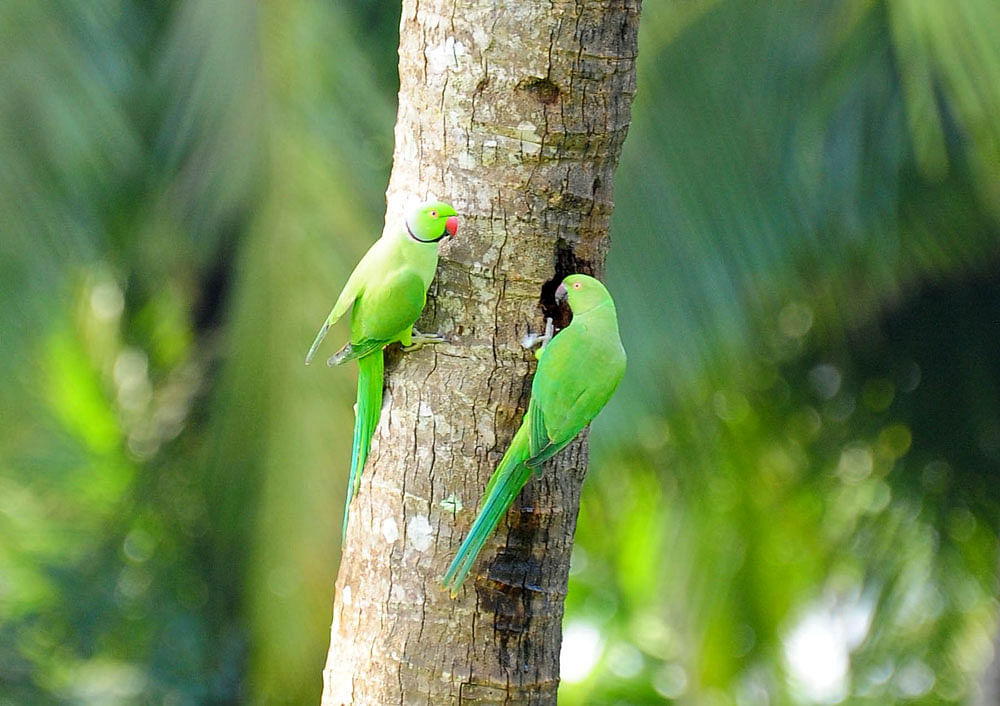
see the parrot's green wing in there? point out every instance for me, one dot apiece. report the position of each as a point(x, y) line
point(349, 294)
point(383, 306)
point(536, 423)
point(387, 312)
point(567, 396)
point(543, 446)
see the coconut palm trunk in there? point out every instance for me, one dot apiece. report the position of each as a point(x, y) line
point(516, 113)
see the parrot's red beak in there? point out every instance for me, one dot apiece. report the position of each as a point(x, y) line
point(451, 225)
point(561, 293)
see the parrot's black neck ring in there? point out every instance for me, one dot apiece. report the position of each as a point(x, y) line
point(421, 240)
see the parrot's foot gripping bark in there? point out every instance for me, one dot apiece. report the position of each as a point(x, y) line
point(419, 340)
point(530, 340)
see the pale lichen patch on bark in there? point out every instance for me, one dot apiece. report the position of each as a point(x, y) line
point(419, 534)
point(390, 530)
point(444, 56)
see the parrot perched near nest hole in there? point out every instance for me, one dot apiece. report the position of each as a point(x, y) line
point(386, 293)
point(578, 370)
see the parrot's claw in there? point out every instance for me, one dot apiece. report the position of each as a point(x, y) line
point(530, 340)
point(419, 340)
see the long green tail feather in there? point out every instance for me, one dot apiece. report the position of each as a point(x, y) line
point(370, 372)
point(507, 481)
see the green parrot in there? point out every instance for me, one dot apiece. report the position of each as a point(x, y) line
point(578, 370)
point(386, 293)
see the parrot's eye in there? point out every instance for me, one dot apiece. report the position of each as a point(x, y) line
point(434, 214)
point(576, 285)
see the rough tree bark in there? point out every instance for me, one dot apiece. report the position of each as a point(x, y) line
point(515, 112)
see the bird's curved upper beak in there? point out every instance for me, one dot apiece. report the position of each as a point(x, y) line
point(451, 225)
point(561, 293)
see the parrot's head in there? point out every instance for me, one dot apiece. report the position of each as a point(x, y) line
point(431, 221)
point(583, 293)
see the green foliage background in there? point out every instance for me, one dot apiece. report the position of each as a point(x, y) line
point(803, 458)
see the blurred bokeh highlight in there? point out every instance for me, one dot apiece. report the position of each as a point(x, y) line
point(794, 496)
